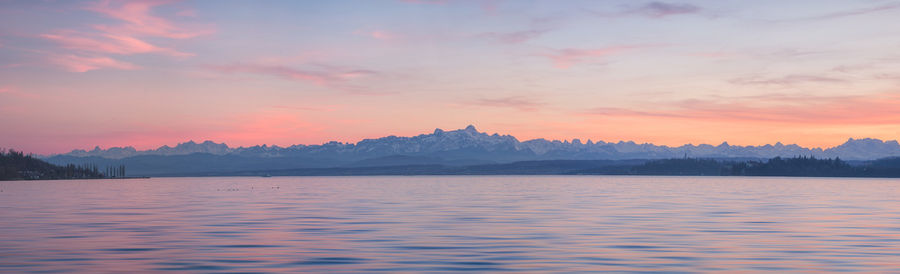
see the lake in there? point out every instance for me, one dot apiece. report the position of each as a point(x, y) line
point(451, 223)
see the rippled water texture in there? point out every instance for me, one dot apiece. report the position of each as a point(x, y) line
point(479, 223)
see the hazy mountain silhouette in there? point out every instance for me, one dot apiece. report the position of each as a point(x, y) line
point(454, 148)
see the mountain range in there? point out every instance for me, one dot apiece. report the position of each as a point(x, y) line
point(460, 147)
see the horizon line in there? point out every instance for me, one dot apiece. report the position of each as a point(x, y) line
point(572, 140)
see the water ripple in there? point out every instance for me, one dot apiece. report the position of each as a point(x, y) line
point(567, 224)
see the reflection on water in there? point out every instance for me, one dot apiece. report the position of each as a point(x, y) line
point(480, 223)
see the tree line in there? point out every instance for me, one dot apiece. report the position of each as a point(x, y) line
point(16, 165)
point(797, 166)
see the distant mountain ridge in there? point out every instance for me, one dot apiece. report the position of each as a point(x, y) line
point(470, 144)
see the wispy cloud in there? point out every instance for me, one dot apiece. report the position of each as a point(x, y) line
point(382, 35)
point(324, 108)
point(516, 102)
point(786, 80)
point(772, 108)
point(490, 7)
point(714, 54)
point(855, 12)
point(138, 20)
point(514, 37)
point(324, 75)
point(186, 13)
point(852, 68)
point(11, 91)
point(565, 58)
point(537, 27)
point(94, 50)
point(662, 9)
point(378, 34)
point(107, 44)
point(12, 65)
point(652, 10)
point(76, 63)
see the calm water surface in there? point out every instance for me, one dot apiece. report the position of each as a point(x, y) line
point(453, 223)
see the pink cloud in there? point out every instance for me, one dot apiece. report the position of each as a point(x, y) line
point(90, 51)
point(875, 109)
point(714, 54)
point(516, 102)
point(187, 13)
point(326, 76)
point(280, 71)
point(565, 58)
point(13, 65)
point(17, 93)
point(515, 37)
point(490, 7)
point(787, 80)
point(139, 20)
point(350, 74)
point(382, 35)
point(322, 108)
point(378, 34)
point(863, 11)
point(77, 63)
point(7, 90)
point(108, 44)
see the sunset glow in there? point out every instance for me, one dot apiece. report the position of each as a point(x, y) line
point(79, 74)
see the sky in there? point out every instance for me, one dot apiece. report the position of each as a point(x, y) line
point(79, 74)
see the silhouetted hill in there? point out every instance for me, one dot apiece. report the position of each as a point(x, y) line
point(15, 165)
